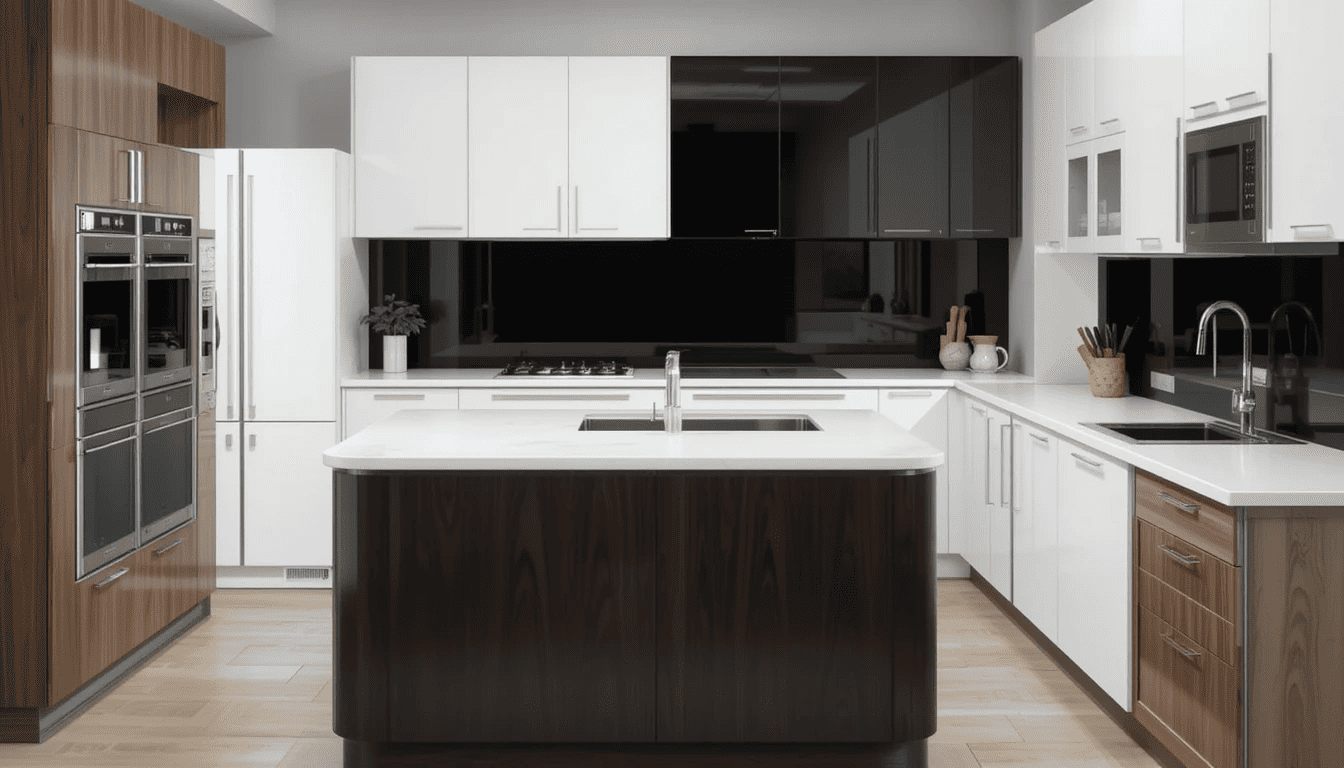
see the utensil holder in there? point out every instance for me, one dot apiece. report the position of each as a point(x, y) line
point(1106, 375)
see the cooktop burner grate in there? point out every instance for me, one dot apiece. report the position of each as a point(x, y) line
point(525, 367)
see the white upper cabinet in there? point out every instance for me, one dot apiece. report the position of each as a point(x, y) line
point(1306, 153)
point(409, 140)
point(519, 146)
point(1226, 55)
point(1080, 73)
point(618, 146)
point(1049, 160)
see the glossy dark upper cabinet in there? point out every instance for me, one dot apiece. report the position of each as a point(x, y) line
point(912, 147)
point(986, 137)
point(827, 114)
point(725, 146)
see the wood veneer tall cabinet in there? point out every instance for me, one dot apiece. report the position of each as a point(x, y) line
point(84, 82)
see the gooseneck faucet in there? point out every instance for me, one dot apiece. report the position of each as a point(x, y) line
point(1243, 400)
point(672, 409)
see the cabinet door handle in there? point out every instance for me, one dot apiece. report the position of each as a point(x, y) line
point(252, 442)
point(117, 575)
point(1186, 652)
point(1177, 176)
point(1297, 233)
point(909, 393)
point(435, 227)
point(761, 231)
point(1177, 503)
point(580, 228)
point(1005, 453)
point(398, 397)
point(1112, 120)
point(559, 215)
point(1198, 107)
point(226, 377)
point(1077, 129)
point(130, 178)
point(975, 230)
point(228, 442)
point(987, 452)
point(1240, 95)
point(980, 411)
point(898, 231)
point(176, 542)
point(1178, 557)
point(1086, 460)
point(558, 397)
point(783, 396)
point(1042, 439)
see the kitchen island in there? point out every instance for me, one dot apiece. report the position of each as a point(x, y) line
point(512, 591)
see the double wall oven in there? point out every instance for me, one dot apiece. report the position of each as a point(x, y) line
point(136, 417)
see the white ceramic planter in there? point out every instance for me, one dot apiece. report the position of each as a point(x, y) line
point(394, 354)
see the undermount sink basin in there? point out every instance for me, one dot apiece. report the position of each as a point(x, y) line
point(1189, 433)
point(788, 423)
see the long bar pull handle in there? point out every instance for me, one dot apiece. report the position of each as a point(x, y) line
point(975, 230)
point(580, 228)
point(1178, 557)
point(1186, 652)
point(1179, 224)
point(399, 397)
point(987, 428)
point(130, 177)
point(436, 227)
point(1177, 503)
point(899, 231)
point(1112, 120)
point(249, 265)
point(116, 575)
point(1240, 96)
point(761, 231)
point(909, 393)
point(560, 397)
point(1077, 129)
point(176, 542)
point(231, 242)
point(1042, 439)
point(1005, 453)
point(1086, 460)
point(780, 396)
point(1198, 107)
point(979, 410)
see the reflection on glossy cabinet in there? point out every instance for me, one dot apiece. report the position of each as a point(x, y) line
point(518, 148)
point(409, 140)
point(618, 146)
point(725, 146)
point(912, 147)
point(985, 147)
point(1035, 494)
point(1226, 55)
point(1307, 156)
point(828, 109)
point(1094, 568)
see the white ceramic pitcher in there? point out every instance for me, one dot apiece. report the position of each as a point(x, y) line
point(985, 358)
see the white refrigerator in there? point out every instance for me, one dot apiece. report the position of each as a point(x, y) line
point(282, 224)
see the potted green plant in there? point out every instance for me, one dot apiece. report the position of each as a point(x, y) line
point(394, 320)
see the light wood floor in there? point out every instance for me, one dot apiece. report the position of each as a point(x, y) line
point(251, 686)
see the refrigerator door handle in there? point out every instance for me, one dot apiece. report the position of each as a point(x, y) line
point(248, 320)
point(221, 309)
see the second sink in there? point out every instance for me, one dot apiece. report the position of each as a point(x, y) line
point(1187, 433)
point(786, 423)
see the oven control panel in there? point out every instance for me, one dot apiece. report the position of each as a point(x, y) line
point(173, 226)
point(106, 222)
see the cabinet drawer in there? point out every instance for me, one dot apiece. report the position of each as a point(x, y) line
point(775, 400)
point(595, 399)
point(369, 406)
point(111, 614)
point(1189, 690)
point(1189, 569)
point(1188, 617)
point(169, 568)
point(1205, 523)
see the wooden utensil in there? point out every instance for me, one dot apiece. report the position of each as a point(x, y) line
point(942, 342)
point(961, 323)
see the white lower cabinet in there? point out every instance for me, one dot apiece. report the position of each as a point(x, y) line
point(287, 494)
point(1095, 623)
point(364, 407)
point(777, 400)
point(228, 493)
point(986, 496)
point(1035, 499)
point(923, 412)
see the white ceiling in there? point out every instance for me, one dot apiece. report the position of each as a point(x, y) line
point(224, 21)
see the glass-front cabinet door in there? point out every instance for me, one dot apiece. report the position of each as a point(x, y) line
point(1080, 224)
point(1110, 157)
point(725, 146)
point(828, 115)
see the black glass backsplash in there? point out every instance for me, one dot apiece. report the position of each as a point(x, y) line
point(839, 303)
point(1301, 355)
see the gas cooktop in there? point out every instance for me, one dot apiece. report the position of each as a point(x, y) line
point(527, 367)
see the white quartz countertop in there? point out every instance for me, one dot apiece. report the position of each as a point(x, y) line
point(1236, 475)
point(551, 440)
point(654, 378)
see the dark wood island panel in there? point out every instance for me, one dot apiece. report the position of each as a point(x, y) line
point(634, 618)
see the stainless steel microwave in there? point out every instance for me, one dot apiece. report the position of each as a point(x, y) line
point(1225, 176)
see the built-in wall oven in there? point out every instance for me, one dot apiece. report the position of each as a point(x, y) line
point(1225, 181)
point(108, 254)
point(107, 468)
point(169, 314)
point(167, 460)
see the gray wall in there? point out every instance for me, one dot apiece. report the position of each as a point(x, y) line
point(293, 89)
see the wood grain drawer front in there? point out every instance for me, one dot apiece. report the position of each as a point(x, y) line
point(111, 614)
point(364, 407)
point(170, 577)
point(1189, 618)
point(1189, 690)
point(594, 399)
point(1206, 579)
point(778, 400)
point(1197, 519)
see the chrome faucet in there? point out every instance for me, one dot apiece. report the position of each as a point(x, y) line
point(1282, 309)
point(672, 408)
point(1243, 400)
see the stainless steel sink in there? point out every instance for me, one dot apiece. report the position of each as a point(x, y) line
point(789, 423)
point(1188, 433)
